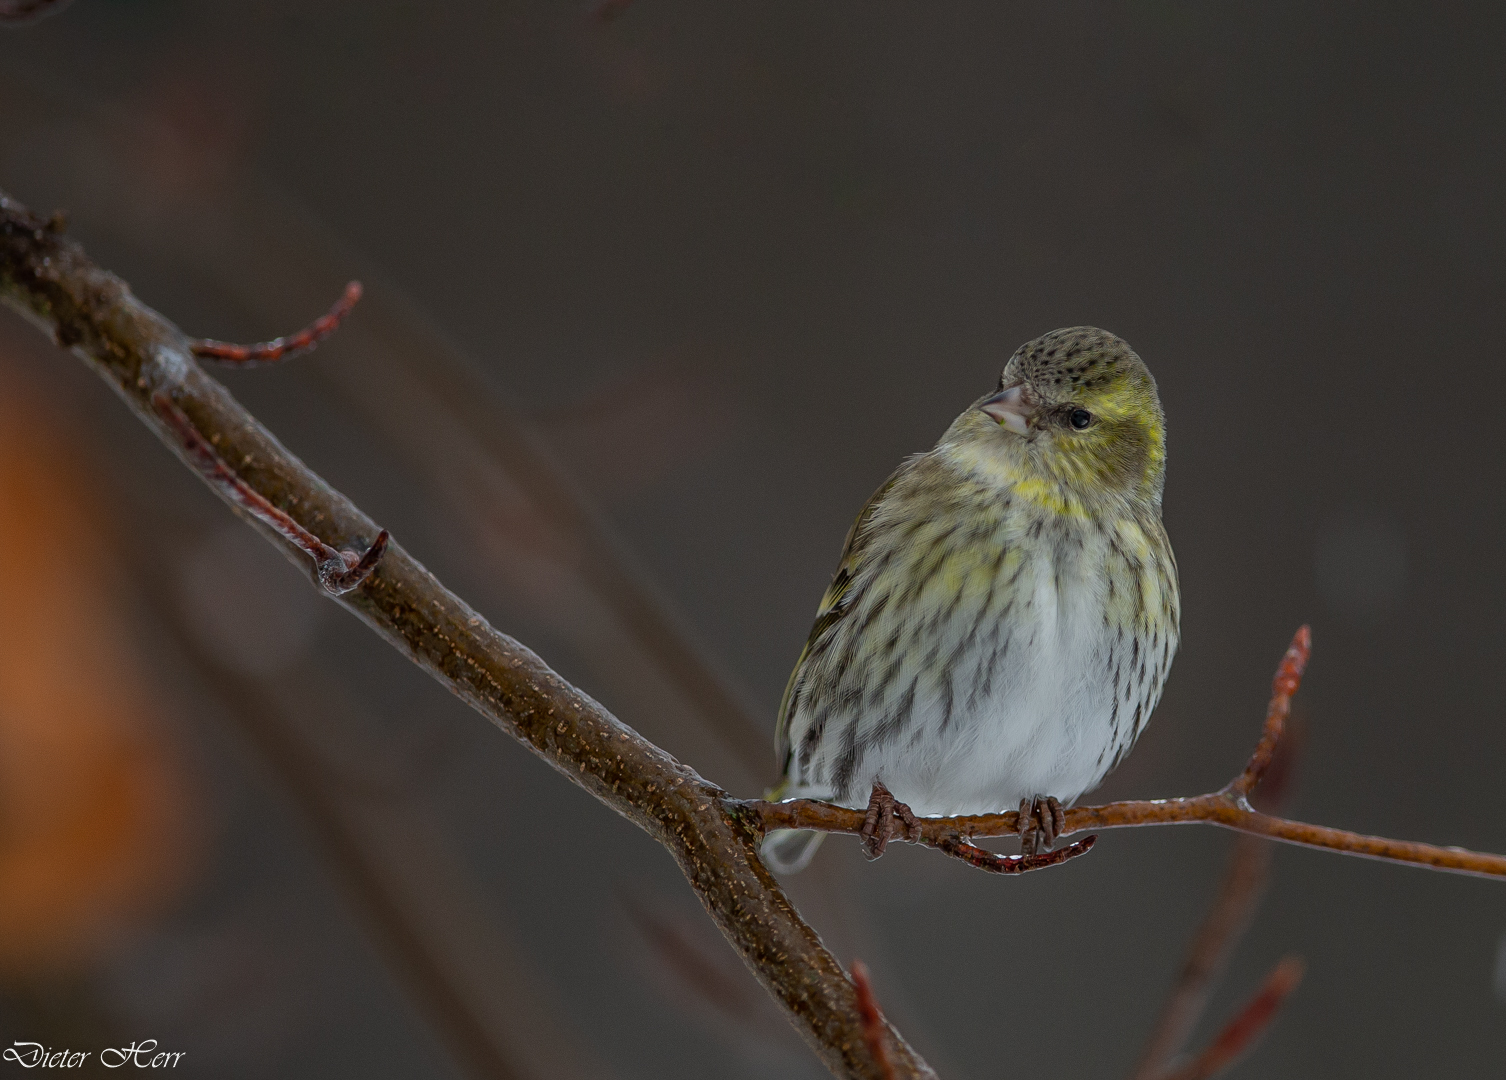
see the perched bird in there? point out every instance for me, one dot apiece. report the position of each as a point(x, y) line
point(1005, 611)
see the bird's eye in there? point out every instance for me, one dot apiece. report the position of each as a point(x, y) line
point(1081, 418)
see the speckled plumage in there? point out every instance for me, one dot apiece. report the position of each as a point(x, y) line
point(1006, 608)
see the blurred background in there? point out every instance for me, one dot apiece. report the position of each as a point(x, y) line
point(657, 295)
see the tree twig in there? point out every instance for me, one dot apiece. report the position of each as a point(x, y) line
point(50, 281)
point(1228, 807)
point(337, 572)
point(1233, 908)
point(1246, 1027)
point(873, 1019)
point(283, 348)
point(420, 967)
point(419, 904)
point(1229, 916)
point(713, 837)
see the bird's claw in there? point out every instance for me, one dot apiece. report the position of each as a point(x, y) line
point(886, 819)
point(1042, 820)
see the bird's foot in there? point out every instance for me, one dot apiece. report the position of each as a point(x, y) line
point(1041, 822)
point(886, 819)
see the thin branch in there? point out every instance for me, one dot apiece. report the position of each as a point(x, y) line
point(887, 818)
point(505, 492)
point(1247, 1026)
point(1228, 918)
point(873, 1019)
point(1234, 907)
point(713, 837)
point(283, 348)
point(337, 572)
point(441, 997)
point(959, 848)
point(463, 971)
point(1228, 807)
point(1283, 686)
point(715, 841)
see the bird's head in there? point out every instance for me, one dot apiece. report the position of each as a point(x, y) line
point(1079, 410)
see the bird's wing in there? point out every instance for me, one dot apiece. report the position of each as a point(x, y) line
point(835, 604)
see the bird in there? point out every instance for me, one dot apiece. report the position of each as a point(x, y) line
point(1005, 612)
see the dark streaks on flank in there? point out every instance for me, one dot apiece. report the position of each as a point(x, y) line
point(847, 761)
point(948, 696)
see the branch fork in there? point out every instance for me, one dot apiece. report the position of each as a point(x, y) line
point(150, 363)
point(336, 571)
point(713, 836)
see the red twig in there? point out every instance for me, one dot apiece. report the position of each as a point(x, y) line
point(283, 348)
point(1283, 686)
point(1226, 922)
point(1251, 1022)
point(139, 353)
point(873, 1020)
point(1227, 807)
point(957, 847)
point(337, 572)
point(1227, 919)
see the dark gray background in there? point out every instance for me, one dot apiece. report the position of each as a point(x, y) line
point(733, 261)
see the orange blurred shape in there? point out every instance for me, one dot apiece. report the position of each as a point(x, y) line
point(93, 807)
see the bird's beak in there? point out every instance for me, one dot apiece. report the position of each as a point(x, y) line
point(1011, 409)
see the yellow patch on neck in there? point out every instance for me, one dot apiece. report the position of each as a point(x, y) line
point(1050, 496)
point(994, 468)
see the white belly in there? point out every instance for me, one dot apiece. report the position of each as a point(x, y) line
point(1042, 726)
point(1027, 668)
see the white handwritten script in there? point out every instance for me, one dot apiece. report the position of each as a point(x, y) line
point(143, 1055)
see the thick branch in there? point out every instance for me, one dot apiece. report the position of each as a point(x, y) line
point(50, 280)
point(1228, 807)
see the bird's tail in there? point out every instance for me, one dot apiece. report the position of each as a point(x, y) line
point(788, 851)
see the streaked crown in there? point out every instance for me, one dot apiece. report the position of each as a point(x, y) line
point(1081, 408)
